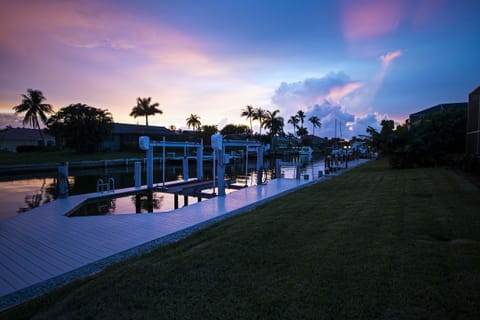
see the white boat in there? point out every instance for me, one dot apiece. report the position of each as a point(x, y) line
point(305, 151)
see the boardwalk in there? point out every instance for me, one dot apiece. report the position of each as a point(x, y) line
point(43, 248)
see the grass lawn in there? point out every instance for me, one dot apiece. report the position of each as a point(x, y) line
point(373, 243)
point(7, 158)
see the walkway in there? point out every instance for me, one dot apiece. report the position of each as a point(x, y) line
point(42, 248)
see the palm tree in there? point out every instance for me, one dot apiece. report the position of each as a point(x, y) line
point(301, 117)
point(315, 123)
point(294, 121)
point(259, 115)
point(145, 109)
point(194, 122)
point(34, 108)
point(273, 122)
point(249, 113)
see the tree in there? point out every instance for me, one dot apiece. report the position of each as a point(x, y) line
point(301, 117)
point(249, 113)
point(81, 127)
point(294, 122)
point(145, 109)
point(302, 132)
point(260, 116)
point(236, 129)
point(194, 121)
point(315, 123)
point(274, 123)
point(33, 108)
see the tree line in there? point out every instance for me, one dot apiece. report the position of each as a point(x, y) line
point(437, 139)
point(84, 127)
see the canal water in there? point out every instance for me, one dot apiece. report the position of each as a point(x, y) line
point(20, 193)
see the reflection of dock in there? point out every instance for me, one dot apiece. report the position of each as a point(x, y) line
point(192, 189)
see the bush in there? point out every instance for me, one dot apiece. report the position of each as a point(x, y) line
point(29, 148)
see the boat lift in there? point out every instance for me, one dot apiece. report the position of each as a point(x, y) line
point(222, 159)
point(147, 145)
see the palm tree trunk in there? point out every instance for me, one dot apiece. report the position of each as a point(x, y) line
point(146, 120)
point(40, 130)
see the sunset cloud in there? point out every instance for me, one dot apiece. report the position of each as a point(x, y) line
point(302, 94)
point(365, 19)
point(390, 56)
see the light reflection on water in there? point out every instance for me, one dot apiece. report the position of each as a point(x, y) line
point(23, 192)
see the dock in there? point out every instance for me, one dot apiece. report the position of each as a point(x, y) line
point(42, 248)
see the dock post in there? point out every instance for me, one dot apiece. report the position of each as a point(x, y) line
point(259, 165)
point(200, 162)
point(185, 200)
point(278, 168)
point(150, 168)
point(175, 200)
point(185, 168)
point(62, 181)
point(137, 174)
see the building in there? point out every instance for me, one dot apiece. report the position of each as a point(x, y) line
point(125, 136)
point(473, 123)
point(414, 118)
point(11, 138)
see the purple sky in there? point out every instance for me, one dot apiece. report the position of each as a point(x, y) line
point(356, 61)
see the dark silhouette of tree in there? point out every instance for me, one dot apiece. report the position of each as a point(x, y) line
point(236, 129)
point(315, 123)
point(294, 122)
point(33, 108)
point(249, 113)
point(301, 117)
point(274, 123)
point(194, 121)
point(81, 127)
point(144, 108)
point(260, 115)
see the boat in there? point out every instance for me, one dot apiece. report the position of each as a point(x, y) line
point(305, 151)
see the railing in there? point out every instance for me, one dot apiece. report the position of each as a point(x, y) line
point(106, 186)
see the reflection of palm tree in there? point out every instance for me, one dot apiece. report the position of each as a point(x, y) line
point(35, 200)
point(34, 108)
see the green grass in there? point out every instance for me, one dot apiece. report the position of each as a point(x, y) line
point(373, 243)
point(8, 158)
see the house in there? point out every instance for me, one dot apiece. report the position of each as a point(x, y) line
point(473, 123)
point(414, 118)
point(11, 138)
point(125, 136)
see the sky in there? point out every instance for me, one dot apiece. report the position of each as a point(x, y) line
point(350, 62)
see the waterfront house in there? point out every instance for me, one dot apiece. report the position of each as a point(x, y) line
point(11, 138)
point(473, 123)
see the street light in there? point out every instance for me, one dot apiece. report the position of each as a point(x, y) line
point(346, 148)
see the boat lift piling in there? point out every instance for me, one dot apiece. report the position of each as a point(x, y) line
point(146, 144)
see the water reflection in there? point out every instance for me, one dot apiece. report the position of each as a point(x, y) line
point(147, 201)
point(44, 195)
point(23, 192)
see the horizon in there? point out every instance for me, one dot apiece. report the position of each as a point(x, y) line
point(356, 62)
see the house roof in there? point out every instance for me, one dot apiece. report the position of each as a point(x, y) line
point(438, 108)
point(475, 91)
point(124, 128)
point(22, 134)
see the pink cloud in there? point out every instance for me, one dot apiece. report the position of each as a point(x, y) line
point(370, 18)
point(390, 56)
